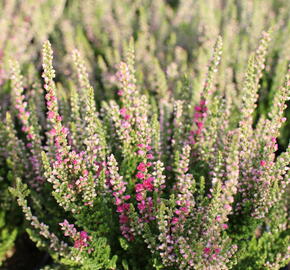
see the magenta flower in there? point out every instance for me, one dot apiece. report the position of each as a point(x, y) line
point(139, 197)
point(225, 226)
point(217, 250)
point(139, 187)
point(147, 183)
point(50, 115)
point(140, 175)
point(263, 163)
point(141, 167)
point(206, 251)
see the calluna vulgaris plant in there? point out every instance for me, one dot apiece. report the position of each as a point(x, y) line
point(172, 39)
point(135, 184)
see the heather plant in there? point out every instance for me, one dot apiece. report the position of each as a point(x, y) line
point(135, 183)
point(173, 41)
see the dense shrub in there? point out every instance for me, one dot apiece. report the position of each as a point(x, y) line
point(172, 39)
point(135, 184)
point(162, 98)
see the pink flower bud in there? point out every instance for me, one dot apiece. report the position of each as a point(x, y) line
point(206, 251)
point(139, 187)
point(123, 111)
point(140, 175)
point(141, 167)
point(50, 115)
point(263, 163)
point(225, 226)
point(150, 156)
point(174, 220)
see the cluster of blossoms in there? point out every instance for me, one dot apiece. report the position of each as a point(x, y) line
point(93, 163)
point(118, 187)
point(223, 206)
point(199, 116)
point(33, 140)
point(81, 239)
point(145, 202)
